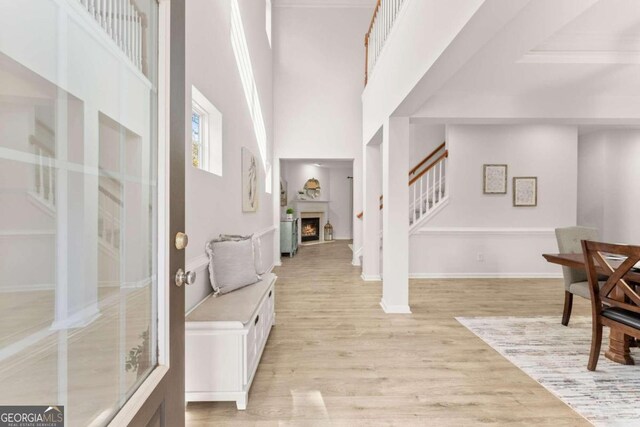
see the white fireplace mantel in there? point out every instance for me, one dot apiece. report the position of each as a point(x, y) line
point(301, 206)
point(312, 208)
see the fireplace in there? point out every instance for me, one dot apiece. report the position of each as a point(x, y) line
point(310, 229)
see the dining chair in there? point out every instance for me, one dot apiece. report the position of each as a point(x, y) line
point(616, 304)
point(575, 281)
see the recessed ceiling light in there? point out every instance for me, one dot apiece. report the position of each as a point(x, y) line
point(317, 164)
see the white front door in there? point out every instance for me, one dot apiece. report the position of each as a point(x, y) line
point(86, 264)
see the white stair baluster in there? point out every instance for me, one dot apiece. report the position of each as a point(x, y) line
point(440, 180)
point(421, 197)
point(415, 199)
point(433, 188)
point(40, 184)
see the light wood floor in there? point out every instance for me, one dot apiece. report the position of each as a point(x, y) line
point(334, 358)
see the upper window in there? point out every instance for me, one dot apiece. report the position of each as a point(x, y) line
point(268, 20)
point(206, 134)
point(243, 60)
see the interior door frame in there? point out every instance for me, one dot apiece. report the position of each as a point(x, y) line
point(159, 400)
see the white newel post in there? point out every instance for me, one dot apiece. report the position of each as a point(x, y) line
point(395, 222)
point(372, 172)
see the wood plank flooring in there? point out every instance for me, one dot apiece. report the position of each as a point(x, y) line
point(334, 358)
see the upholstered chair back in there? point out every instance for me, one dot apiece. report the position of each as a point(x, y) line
point(570, 242)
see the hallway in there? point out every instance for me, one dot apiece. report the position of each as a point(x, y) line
point(334, 358)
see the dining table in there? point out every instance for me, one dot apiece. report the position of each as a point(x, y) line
point(619, 342)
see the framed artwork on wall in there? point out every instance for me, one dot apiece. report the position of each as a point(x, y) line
point(283, 192)
point(495, 179)
point(525, 191)
point(249, 181)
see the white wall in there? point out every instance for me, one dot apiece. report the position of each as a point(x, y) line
point(214, 203)
point(425, 26)
point(424, 138)
point(334, 189)
point(608, 178)
point(509, 240)
point(318, 82)
point(339, 208)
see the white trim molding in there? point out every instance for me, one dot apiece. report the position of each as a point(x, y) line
point(485, 275)
point(201, 262)
point(198, 263)
point(482, 253)
point(371, 277)
point(484, 231)
point(265, 231)
point(394, 309)
point(26, 233)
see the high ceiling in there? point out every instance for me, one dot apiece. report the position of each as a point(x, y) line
point(596, 55)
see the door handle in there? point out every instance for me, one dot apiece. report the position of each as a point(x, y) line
point(182, 277)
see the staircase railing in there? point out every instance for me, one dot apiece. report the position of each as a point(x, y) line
point(427, 189)
point(384, 16)
point(425, 162)
point(124, 23)
point(427, 185)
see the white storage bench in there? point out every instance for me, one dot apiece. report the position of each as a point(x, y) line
point(224, 340)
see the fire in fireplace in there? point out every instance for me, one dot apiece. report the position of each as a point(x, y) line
point(310, 229)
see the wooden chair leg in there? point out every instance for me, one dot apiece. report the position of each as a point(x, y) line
point(596, 342)
point(568, 304)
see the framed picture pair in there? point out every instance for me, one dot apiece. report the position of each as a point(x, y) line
point(525, 188)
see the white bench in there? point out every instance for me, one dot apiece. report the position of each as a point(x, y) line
point(224, 340)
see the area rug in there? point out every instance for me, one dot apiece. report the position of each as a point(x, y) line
point(556, 357)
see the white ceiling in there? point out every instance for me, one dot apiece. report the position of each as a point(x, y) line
point(608, 26)
point(591, 56)
point(325, 3)
point(323, 163)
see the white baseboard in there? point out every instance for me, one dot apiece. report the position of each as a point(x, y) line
point(485, 275)
point(371, 277)
point(394, 309)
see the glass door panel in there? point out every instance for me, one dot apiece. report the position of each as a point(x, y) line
point(78, 194)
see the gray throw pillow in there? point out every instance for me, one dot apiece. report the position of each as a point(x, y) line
point(257, 249)
point(231, 265)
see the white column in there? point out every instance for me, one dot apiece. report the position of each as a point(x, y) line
point(372, 189)
point(357, 224)
point(395, 215)
point(276, 210)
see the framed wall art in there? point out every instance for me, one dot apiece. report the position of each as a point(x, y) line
point(495, 179)
point(525, 191)
point(249, 181)
point(284, 200)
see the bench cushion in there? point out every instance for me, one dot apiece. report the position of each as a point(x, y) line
point(237, 306)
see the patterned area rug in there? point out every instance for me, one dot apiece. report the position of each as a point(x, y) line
point(556, 357)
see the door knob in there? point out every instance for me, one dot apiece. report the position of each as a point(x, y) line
point(185, 278)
